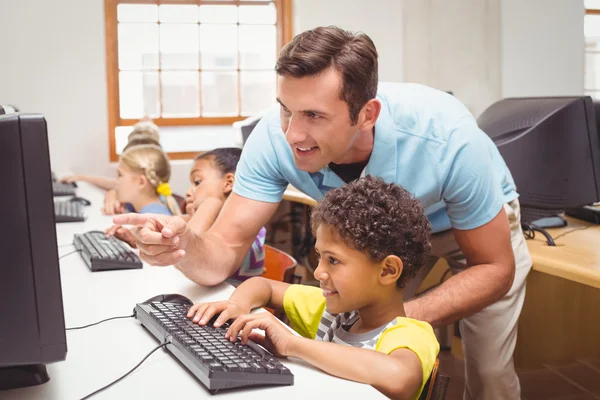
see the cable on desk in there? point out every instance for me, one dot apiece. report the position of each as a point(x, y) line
point(99, 322)
point(69, 253)
point(529, 231)
point(579, 228)
point(129, 372)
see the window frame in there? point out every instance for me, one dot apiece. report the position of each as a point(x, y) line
point(589, 11)
point(284, 35)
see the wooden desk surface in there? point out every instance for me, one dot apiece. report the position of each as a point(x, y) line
point(293, 194)
point(576, 256)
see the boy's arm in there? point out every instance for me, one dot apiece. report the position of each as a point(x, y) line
point(252, 293)
point(397, 375)
point(267, 292)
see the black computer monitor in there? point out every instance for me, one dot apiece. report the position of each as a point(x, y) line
point(32, 327)
point(552, 149)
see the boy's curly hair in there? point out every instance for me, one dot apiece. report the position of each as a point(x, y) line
point(378, 219)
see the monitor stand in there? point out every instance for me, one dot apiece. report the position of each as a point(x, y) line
point(23, 376)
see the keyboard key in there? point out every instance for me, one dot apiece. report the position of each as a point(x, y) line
point(215, 366)
point(245, 367)
point(257, 367)
point(283, 370)
point(271, 368)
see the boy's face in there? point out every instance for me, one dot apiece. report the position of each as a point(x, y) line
point(348, 277)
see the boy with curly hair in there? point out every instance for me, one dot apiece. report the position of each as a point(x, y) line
point(371, 238)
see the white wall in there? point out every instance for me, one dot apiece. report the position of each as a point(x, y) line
point(454, 46)
point(380, 19)
point(542, 47)
point(53, 62)
point(53, 57)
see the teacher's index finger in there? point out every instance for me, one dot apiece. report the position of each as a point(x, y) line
point(132, 219)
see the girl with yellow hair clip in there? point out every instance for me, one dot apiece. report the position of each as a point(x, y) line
point(143, 181)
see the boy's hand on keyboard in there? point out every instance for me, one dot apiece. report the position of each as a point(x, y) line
point(276, 338)
point(121, 233)
point(161, 239)
point(203, 312)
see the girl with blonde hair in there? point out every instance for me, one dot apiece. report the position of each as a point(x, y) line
point(143, 177)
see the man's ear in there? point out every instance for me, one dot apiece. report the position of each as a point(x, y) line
point(229, 180)
point(391, 270)
point(369, 114)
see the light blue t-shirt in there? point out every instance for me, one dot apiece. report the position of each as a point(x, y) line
point(425, 140)
point(155, 208)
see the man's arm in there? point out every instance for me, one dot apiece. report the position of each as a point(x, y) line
point(208, 258)
point(490, 275)
point(215, 255)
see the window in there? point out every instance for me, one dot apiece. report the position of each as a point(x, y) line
point(592, 48)
point(191, 62)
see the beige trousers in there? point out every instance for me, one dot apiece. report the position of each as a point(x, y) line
point(488, 337)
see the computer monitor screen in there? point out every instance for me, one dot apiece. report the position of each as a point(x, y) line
point(32, 327)
point(552, 149)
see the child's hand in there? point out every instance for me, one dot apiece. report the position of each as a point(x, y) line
point(276, 339)
point(190, 208)
point(121, 233)
point(203, 312)
point(112, 205)
point(71, 178)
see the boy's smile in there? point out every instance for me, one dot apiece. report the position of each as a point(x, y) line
point(348, 277)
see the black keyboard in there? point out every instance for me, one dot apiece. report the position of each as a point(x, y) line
point(102, 254)
point(68, 211)
point(214, 360)
point(63, 189)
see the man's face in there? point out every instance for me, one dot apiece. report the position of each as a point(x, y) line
point(315, 120)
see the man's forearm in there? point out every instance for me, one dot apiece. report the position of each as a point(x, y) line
point(208, 260)
point(462, 295)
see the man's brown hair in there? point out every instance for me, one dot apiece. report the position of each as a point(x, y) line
point(352, 54)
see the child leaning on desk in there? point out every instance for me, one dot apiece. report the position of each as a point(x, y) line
point(371, 238)
point(211, 182)
point(144, 132)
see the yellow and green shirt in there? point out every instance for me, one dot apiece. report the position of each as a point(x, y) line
point(305, 308)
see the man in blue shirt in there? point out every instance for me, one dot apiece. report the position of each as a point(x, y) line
point(335, 123)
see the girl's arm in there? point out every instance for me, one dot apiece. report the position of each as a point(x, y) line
point(99, 181)
point(205, 215)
